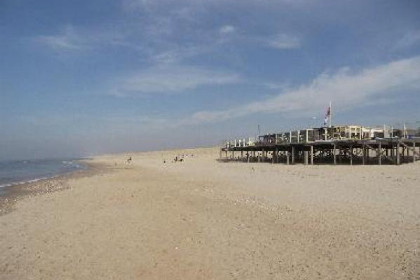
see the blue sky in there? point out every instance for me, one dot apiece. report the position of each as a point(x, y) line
point(79, 78)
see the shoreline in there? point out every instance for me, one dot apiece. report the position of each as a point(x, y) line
point(45, 177)
point(13, 193)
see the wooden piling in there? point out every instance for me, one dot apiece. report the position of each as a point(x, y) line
point(393, 153)
point(403, 153)
point(398, 153)
point(276, 155)
point(380, 153)
point(334, 154)
point(312, 155)
point(293, 155)
point(363, 154)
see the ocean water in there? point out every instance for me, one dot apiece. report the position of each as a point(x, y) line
point(23, 171)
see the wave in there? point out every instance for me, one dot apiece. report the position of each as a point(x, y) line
point(26, 181)
point(13, 173)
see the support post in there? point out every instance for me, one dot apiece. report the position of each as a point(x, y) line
point(414, 151)
point(287, 157)
point(305, 157)
point(363, 154)
point(380, 153)
point(398, 153)
point(312, 155)
point(367, 153)
point(334, 154)
point(403, 153)
point(276, 155)
point(351, 155)
point(293, 155)
point(393, 152)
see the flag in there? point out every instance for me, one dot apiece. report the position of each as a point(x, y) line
point(327, 115)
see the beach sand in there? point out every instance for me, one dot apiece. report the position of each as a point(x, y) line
point(204, 219)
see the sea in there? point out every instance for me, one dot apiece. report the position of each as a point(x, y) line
point(18, 172)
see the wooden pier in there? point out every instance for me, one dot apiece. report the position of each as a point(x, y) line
point(372, 151)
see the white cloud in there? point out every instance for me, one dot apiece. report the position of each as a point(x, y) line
point(227, 29)
point(284, 41)
point(72, 39)
point(178, 54)
point(409, 39)
point(67, 39)
point(347, 89)
point(171, 79)
point(277, 86)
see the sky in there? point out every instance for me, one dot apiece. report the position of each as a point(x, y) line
point(81, 78)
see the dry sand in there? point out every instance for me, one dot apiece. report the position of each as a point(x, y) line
point(203, 219)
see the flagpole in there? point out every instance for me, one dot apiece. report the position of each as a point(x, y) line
point(330, 118)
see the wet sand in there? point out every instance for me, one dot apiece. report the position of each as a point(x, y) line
point(204, 219)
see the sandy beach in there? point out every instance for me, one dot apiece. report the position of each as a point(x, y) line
point(204, 219)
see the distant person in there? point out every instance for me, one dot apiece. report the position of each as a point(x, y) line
point(129, 160)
